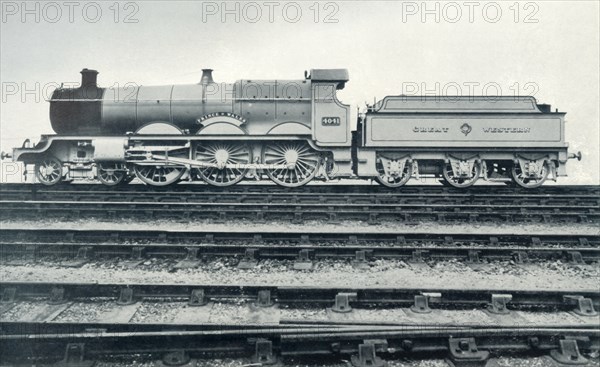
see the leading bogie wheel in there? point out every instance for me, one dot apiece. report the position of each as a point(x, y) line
point(293, 163)
point(526, 181)
point(223, 158)
point(159, 175)
point(49, 171)
point(111, 174)
point(461, 181)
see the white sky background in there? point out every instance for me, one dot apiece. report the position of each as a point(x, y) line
point(555, 50)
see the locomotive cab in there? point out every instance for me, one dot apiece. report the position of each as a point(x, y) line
point(330, 117)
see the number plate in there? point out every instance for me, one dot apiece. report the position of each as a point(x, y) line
point(330, 121)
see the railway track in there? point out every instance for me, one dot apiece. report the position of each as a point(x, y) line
point(366, 347)
point(192, 247)
point(268, 323)
point(323, 194)
point(330, 203)
point(310, 188)
point(507, 333)
point(297, 213)
point(267, 295)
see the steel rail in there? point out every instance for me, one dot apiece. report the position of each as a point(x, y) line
point(334, 188)
point(354, 190)
point(307, 198)
point(300, 212)
point(59, 330)
point(395, 238)
point(16, 329)
point(12, 329)
point(462, 345)
point(57, 292)
point(303, 246)
point(442, 195)
point(42, 341)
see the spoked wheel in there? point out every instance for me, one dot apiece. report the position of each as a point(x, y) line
point(394, 180)
point(111, 174)
point(526, 181)
point(461, 181)
point(49, 171)
point(159, 175)
point(223, 154)
point(300, 162)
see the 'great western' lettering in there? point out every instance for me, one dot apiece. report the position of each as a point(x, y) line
point(418, 129)
point(507, 130)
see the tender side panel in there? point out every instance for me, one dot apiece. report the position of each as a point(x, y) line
point(410, 130)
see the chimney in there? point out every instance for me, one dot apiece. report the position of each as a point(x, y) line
point(89, 78)
point(207, 77)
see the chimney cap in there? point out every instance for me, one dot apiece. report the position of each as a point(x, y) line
point(89, 78)
point(207, 76)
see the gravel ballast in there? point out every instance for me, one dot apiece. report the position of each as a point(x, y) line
point(392, 273)
point(310, 226)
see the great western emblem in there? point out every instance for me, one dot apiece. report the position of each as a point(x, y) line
point(465, 129)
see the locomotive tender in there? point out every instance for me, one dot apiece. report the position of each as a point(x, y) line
point(291, 132)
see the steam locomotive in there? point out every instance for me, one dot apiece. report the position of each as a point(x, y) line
point(291, 132)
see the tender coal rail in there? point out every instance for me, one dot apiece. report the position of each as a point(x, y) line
point(298, 212)
point(303, 247)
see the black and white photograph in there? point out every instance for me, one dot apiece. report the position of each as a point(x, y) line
point(308, 183)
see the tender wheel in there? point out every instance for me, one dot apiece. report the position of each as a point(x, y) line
point(300, 162)
point(111, 174)
point(49, 171)
point(461, 181)
point(222, 154)
point(394, 180)
point(159, 175)
point(529, 182)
